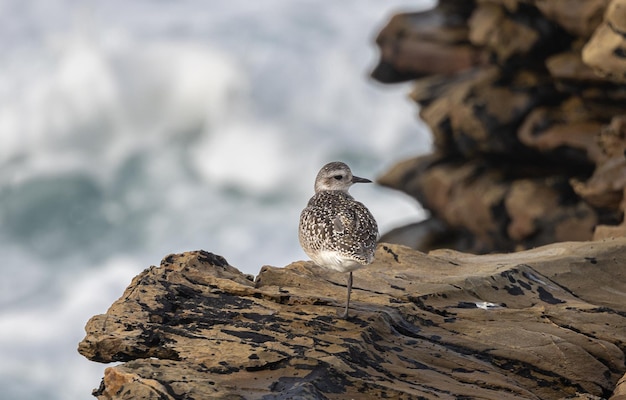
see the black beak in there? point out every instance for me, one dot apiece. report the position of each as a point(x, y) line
point(356, 179)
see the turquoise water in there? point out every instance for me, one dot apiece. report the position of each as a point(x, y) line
point(130, 130)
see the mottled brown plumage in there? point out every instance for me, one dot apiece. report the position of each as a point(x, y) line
point(336, 231)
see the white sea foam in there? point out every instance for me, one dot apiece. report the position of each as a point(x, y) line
point(38, 342)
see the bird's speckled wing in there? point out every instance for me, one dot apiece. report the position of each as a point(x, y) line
point(359, 234)
point(334, 221)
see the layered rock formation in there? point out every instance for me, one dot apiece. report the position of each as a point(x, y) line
point(528, 325)
point(526, 100)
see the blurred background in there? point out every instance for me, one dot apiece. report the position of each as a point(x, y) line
point(131, 130)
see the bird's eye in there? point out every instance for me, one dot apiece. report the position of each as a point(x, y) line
point(338, 177)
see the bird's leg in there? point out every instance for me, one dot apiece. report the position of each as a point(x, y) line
point(345, 314)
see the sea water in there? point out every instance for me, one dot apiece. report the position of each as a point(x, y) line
point(134, 129)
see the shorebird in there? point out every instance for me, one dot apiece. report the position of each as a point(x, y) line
point(336, 231)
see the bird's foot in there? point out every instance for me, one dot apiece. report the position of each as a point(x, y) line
point(343, 315)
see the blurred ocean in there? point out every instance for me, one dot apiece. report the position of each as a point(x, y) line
point(134, 129)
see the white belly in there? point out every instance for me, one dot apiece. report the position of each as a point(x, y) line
point(333, 260)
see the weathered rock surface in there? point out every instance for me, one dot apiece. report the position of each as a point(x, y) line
point(606, 50)
point(548, 323)
point(526, 100)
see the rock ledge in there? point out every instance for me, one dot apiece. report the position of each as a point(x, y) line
point(548, 323)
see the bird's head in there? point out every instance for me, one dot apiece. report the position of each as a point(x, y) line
point(336, 176)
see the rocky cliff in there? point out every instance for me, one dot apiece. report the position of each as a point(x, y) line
point(548, 323)
point(526, 100)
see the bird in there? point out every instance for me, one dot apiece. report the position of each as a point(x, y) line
point(336, 231)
